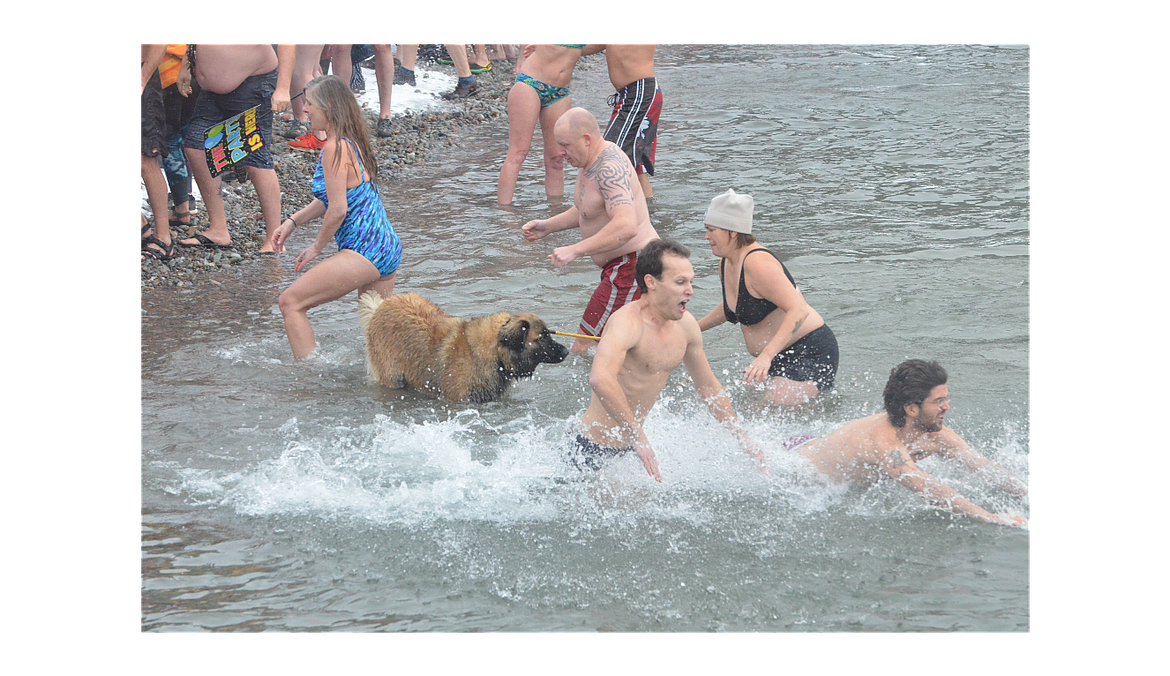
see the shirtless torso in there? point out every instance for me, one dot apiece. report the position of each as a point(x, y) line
point(608, 182)
point(629, 63)
point(551, 64)
point(643, 342)
point(657, 349)
point(221, 68)
point(859, 451)
point(870, 448)
point(609, 208)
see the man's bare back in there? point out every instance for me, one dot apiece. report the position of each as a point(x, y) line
point(858, 451)
point(873, 447)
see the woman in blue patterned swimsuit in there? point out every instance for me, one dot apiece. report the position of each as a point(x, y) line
point(540, 93)
point(368, 249)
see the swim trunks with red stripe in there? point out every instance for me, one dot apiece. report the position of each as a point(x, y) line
point(618, 286)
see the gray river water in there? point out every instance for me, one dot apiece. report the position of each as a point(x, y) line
point(894, 183)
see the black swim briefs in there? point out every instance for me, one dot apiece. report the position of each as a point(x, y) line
point(588, 454)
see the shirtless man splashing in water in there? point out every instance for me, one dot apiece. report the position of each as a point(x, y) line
point(911, 429)
point(645, 340)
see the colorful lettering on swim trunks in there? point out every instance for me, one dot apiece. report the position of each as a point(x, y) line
point(251, 131)
point(230, 141)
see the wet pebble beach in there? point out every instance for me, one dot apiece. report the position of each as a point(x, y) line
point(416, 135)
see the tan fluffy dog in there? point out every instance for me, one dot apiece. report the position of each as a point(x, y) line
point(410, 342)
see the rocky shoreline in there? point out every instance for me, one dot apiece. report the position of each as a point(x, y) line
point(416, 136)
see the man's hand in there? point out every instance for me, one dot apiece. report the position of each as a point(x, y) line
point(280, 100)
point(1010, 520)
point(646, 455)
point(184, 82)
point(562, 256)
point(534, 230)
point(756, 452)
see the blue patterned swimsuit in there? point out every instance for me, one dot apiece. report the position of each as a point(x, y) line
point(548, 93)
point(366, 228)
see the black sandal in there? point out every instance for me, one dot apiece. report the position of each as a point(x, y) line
point(175, 222)
point(167, 253)
point(206, 242)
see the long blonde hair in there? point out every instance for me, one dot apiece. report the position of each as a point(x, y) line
point(341, 109)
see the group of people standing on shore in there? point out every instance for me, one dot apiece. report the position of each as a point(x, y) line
point(212, 84)
point(637, 317)
point(236, 78)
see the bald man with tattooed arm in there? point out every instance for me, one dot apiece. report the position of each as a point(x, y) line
point(609, 208)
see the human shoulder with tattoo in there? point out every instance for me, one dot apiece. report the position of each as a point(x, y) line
point(612, 175)
point(891, 444)
point(610, 211)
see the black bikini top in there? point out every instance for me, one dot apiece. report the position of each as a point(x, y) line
point(752, 310)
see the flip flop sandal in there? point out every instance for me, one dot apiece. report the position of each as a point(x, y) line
point(205, 241)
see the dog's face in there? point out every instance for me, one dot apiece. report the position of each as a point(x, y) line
point(525, 342)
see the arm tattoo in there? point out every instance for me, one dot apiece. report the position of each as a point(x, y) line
point(897, 460)
point(612, 173)
point(797, 327)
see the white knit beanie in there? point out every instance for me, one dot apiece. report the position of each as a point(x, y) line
point(731, 212)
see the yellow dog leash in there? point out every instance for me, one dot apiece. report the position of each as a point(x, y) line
point(574, 335)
